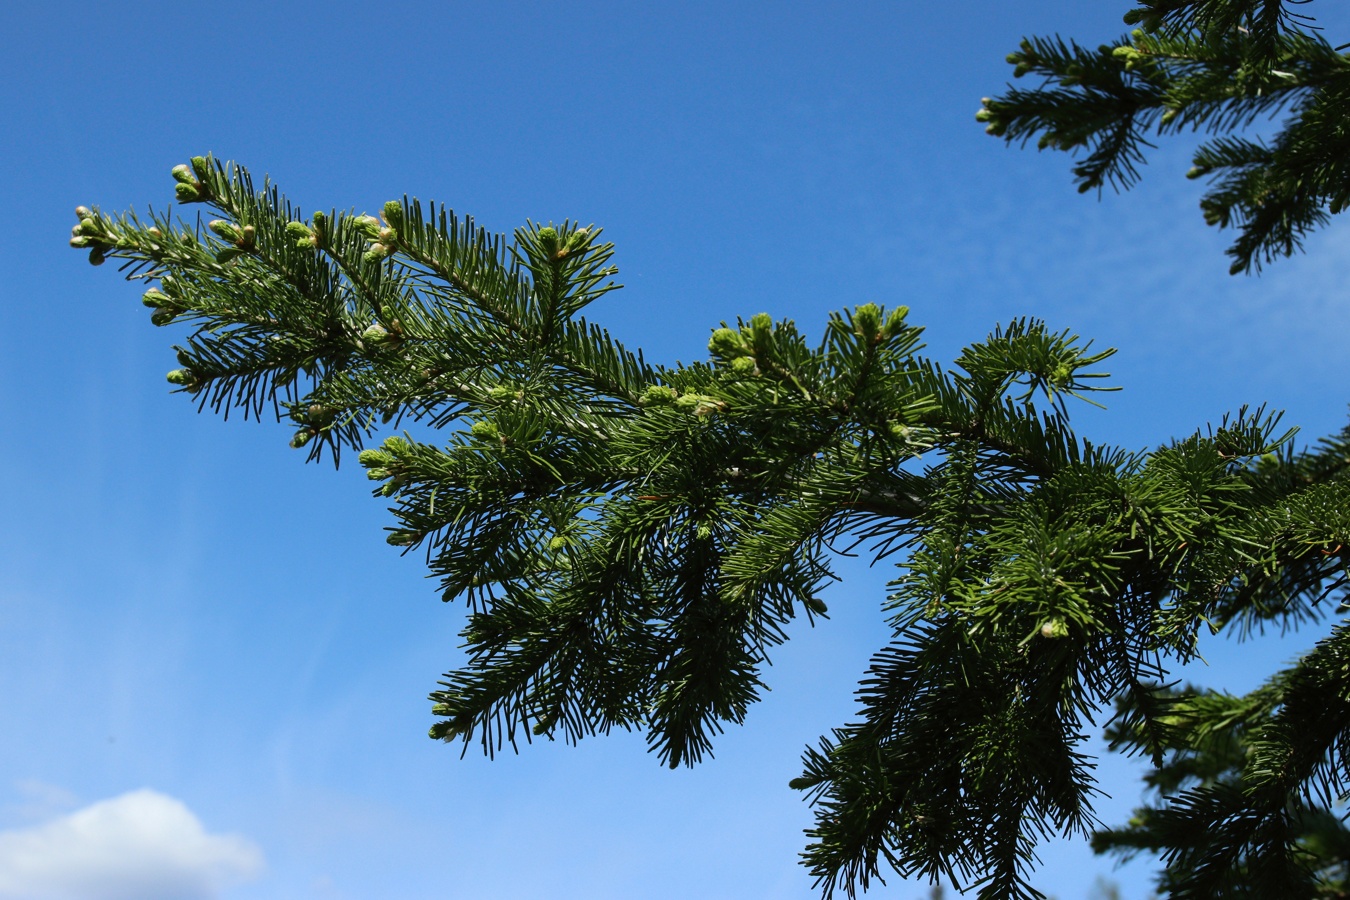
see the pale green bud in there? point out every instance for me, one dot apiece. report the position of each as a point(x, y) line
point(443, 731)
point(895, 322)
point(81, 240)
point(743, 365)
point(484, 431)
point(548, 239)
point(375, 335)
point(578, 239)
point(393, 213)
point(867, 321)
point(727, 344)
point(658, 395)
point(698, 404)
point(162, 317)
point(180, 377)
point(367, 225)
point(372, 457)
point(1055, 628)
point(186, 193)
point(299, 230)
point(155, 299)
point(227, 230)
point(200, 166)
point(83, 212)
point(183, 175)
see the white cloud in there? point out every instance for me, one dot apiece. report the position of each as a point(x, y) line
point(142, 845)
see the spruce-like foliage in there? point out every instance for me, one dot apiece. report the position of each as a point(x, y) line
point(1216, 66)
point(632, 540)
point(1245, 789)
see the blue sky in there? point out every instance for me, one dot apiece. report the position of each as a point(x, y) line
point(212, 668)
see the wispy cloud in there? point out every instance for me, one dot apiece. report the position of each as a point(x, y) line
point(142, 845)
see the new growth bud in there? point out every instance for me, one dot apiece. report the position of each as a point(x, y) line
point(182, 378)
point(187, 188)
point(658, 395)
point(372, 457)
point(227, 230)
point(393, 213)
point(367, 225)
point(548, 239)
point(895, 322)
point(577, 241)
point(303, 234)
point(1055, 628)
point(867, 322)
point(379, 336)
point(484, 431)
point(727, 344)
point(443, 731)
point(761, 334)
point(700, 405)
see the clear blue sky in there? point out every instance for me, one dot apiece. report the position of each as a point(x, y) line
point(206, 640)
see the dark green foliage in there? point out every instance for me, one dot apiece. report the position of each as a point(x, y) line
point(633, 540)
point(1217, 66)
point(1247, 788)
